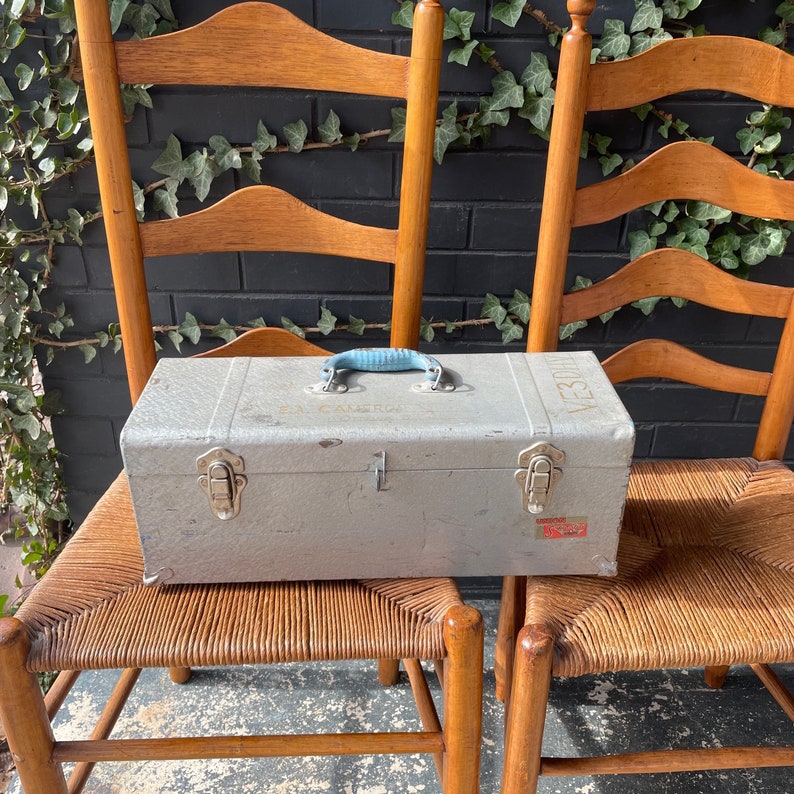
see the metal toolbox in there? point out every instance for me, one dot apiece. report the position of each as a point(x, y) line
point(261, 469)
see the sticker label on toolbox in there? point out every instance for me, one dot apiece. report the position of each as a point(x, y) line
point(557, 527)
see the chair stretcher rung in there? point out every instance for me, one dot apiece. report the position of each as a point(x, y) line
point(185, 748)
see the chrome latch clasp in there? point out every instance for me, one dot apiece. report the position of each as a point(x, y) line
point(221, 478)
point(538, 475)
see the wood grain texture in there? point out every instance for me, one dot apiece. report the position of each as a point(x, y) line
point(690, 64)
point(660, 358)
point(686, 170)
point(674, 273)
point(258, 44)
point(265, 218)
point(266, 342)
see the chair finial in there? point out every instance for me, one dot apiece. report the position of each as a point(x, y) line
point(580, 10)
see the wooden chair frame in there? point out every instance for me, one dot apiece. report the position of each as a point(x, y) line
point(532, 644)
point(91, 611)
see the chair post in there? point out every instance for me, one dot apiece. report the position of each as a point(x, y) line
point(526, 710)
point(420, 126)
point(463, 636)
point(115, 188)
point(24, 715)
point(561, 171)
point(511, 618)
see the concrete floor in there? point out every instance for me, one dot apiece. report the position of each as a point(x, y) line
point(586, 716)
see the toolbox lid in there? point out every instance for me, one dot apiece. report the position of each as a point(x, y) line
point(261, 410)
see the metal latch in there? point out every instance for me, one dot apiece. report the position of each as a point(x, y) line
point(538, 475)
point(221, 478)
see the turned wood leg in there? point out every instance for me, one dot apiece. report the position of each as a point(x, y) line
point(180, 675)
point(24, 715)
point(511, 619)
point(527, 711)
point(463, 672)
point(715, 676)
point(388, 671)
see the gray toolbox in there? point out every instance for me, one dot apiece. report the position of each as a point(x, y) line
point(262, 469)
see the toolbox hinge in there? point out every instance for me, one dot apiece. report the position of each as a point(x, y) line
point(221, 478)
point(538, 475)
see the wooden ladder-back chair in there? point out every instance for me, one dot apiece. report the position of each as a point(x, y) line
point(92, 611)
point(706, 559)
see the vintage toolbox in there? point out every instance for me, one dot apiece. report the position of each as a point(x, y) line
point(261, 469)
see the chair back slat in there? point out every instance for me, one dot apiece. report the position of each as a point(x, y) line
point(264, 218)
point(693, 64)
point(675, 273)
point(258, 44)
point(689, 170)
point(686, 170)
point(661, 358)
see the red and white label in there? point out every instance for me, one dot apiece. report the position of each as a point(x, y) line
point(557, 527)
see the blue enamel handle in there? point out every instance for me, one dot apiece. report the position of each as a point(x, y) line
point(382, 359)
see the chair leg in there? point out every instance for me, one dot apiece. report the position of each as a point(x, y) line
point(463, 673)
point(526, 713)
point(388, 671)
point(24, 715)
point(715, 676)
point(180, 675)
point(511, 619)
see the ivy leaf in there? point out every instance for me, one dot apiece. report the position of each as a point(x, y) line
point(165, 200)
point(640, 242)
point(397, 134)
point(768, 144)
point(28, 422)
point(519, 305)
point(462, 55)
point(226, 156)
point(89, 352)
point(786, 12)
point(609, 164)
point(568, 330)
point(446, 133)
point(507, 93)
point(537, 76)
point(537, 109)
point(426, 330)
point(356, 325)
point(264, 139)
point(510, 331)
point(327, 322)
point(492, 308)
point(224, 331)
point(189, 328)
point(405, 16)
point(646, 305)
point(615, 42)
point(703, 211)
point(251, 168)
point(647, 16)
point(117, 9)
point(330, 129)
point(458, 24)
point(176, 339)
point(352, 141)
point(25, 76)
point(749, 138)
point(296, 133)
point(642, 111)
point(509, 12)
point(170, 160)
point(292, 328)
point(5, 93)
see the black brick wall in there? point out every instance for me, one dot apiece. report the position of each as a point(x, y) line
point(482, 238)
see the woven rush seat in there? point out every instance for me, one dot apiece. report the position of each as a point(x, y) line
point(684, 536)
point(93, 611)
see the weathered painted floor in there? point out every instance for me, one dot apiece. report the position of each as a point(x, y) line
point(587, 716)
